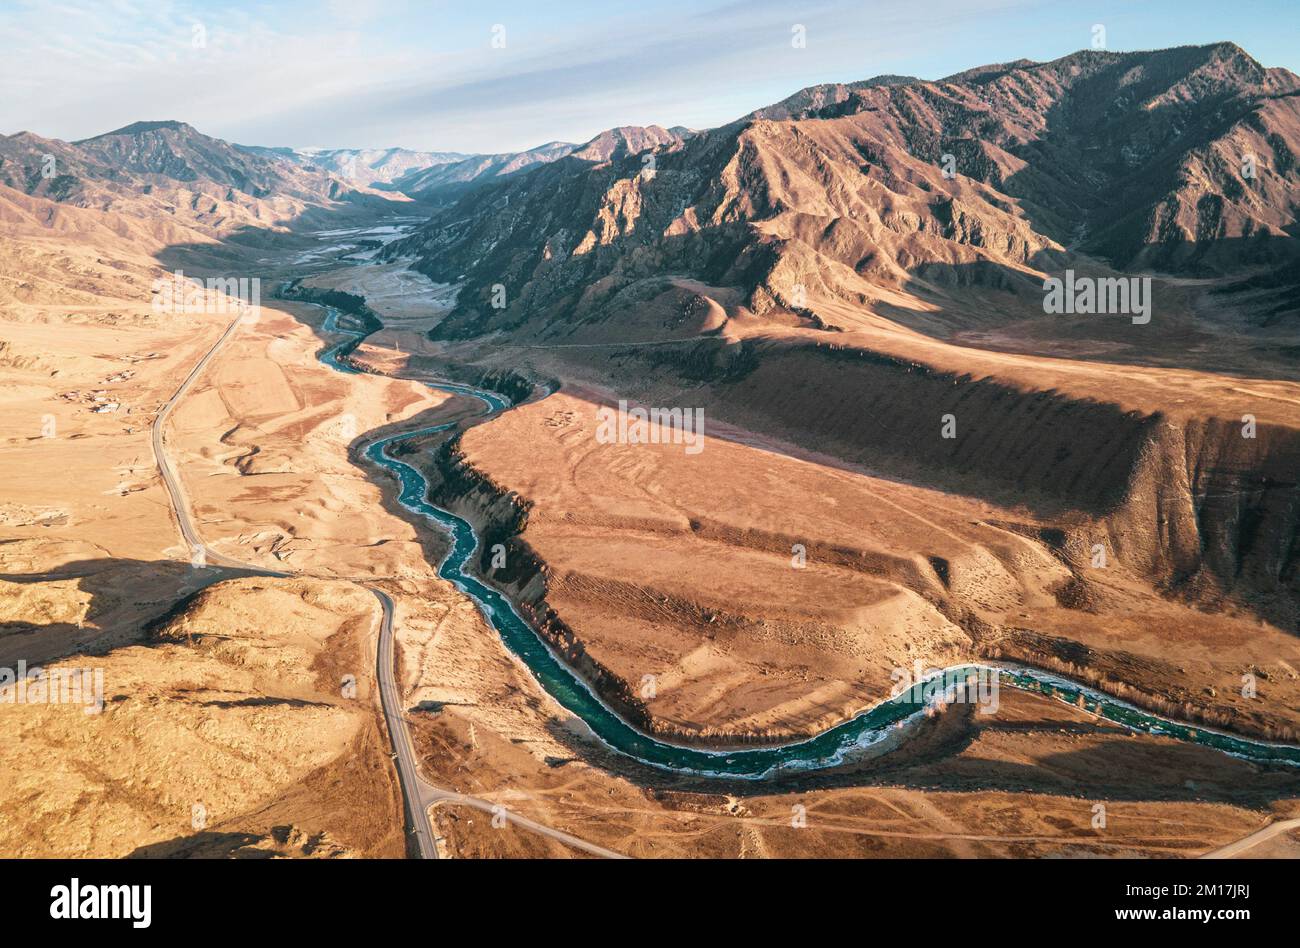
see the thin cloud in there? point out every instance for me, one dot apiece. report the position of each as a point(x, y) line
point(395, 72)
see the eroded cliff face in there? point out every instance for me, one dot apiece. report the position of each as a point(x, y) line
point(1212, 513)
point(500, 517)
point(1206, 509)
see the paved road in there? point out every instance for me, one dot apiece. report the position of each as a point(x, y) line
point(436, 797)
point(419, 795)
point(1246, 842)
point(413, 788)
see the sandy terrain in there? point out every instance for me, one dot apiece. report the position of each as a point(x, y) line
point(664, 563)
point(668, 564)
point(207, 703)
point(219, 727)
point(263, 445)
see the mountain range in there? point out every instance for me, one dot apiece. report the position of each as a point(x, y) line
point(885, 194)
point(888, 193)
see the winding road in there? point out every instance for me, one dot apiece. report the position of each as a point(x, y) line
point(418, 794)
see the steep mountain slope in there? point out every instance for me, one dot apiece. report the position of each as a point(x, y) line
point(179, 152)
point(452, 180)
point(626, 140)
point(169, 170)
point(813, 99)
point(46, 167)
point(1136, 158)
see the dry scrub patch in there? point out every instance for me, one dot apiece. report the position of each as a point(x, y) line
point(235, 704)
point(266, 446)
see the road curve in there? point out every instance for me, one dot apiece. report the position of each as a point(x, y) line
point(414, 790)
point(193, 541)
point(1246, 842)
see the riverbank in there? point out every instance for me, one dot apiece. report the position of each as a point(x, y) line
point(831, 748)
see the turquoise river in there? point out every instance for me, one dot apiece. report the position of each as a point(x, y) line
point(828, 749)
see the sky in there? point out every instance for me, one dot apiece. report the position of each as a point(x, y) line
point(504, 76)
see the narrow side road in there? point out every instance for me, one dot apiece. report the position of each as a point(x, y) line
point(447, 797)
point(1254, 839)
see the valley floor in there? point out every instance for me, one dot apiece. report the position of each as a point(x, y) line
point(252, 698)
